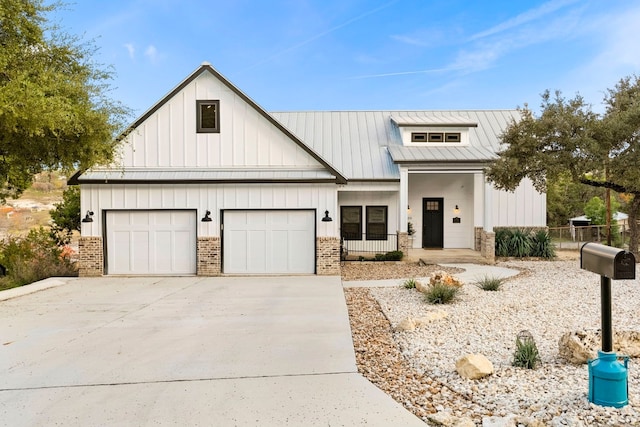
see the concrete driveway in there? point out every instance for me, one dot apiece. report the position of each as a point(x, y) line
point(185, 351)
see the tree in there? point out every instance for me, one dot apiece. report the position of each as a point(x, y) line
point(596, 210)
point(566, 199)
point(55, 112)
point(568, 138)
point(66, 216)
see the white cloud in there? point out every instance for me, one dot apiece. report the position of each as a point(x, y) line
point(131, 49)
point(524, 18)
point(151, 52)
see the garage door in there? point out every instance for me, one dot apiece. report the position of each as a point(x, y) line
point(151, 242)
point(269, 242)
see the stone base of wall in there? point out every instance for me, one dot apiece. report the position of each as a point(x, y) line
point(208, 263)
point(328, 256)
point(477, 235)
point(488, 246)
point(90, 256)
point(403, 243)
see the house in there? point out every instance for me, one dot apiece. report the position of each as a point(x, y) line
point(209, 183)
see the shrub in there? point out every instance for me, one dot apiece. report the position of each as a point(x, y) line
point(393, 256)
point(519, 243)
point(32, 258)
point(409, 284)
point(526, 354)
point(541, 245)
point(503, 237)
point(490, 283)
point(441, 293)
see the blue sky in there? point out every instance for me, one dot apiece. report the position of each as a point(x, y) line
point(365, 54)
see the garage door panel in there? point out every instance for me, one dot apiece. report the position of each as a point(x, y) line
point(269, 242)
point(151, 242)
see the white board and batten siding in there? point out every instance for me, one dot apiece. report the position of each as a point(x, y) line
point(167, 139)
point(524, 207)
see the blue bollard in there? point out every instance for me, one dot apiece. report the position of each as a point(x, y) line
point(608, 380)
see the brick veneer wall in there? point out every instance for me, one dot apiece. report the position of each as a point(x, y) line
point(477, 235)
point(327, 256)
point(488, 246)
point(91, 256)
point(208, 256)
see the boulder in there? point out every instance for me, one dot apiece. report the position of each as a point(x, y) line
point(447, 420)
point(430, 317)
point(474, 366)
point(578, 347)
point(421, 287)
point(407, 324)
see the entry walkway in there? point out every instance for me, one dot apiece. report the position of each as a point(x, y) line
point(227, 351)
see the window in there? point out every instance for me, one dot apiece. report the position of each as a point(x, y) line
point(452, 137)
point(351, 222)
point(436, 137)
point(418, 137)
point(376, 223)
point(208, 116)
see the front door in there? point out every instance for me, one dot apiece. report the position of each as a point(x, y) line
point(432, 222)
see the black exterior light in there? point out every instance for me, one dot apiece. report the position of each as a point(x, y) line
point(206, 217)
point(87, 217)
point(326, 218)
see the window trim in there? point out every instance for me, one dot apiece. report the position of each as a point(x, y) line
point(351, 236)
point(199, 104)
point(380, 236)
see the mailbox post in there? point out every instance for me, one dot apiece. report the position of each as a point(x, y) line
point(607, 376)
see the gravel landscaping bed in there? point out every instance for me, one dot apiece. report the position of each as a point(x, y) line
point(378, 270)
point(417, 368)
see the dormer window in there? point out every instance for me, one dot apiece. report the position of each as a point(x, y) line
point(208, 116)
point(447, 137)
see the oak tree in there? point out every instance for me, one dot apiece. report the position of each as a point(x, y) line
point(567, 138)
point(55, 109)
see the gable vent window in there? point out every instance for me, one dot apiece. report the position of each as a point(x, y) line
point(208, 116)
point(418, 137)
point(452, 137)
point(436, 137)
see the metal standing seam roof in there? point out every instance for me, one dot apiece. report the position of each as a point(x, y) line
point(367, 145)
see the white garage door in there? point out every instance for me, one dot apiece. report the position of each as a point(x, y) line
point(269, 242)
point(151, 242)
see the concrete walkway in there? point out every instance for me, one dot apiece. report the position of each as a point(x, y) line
point(257, 351)
point(472, 273)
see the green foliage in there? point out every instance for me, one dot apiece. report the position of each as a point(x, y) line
point(566, 199)
point(541, 245)
point(567, 139)
point(409, 284)
point(389, 256)
point(515, 242)
point(441, 293)
point(66, 216)
point(32, 258)
point(490, 283)
point(519, 243)
point(503, 237)
point(410, 230)
point(526, 354)
point(54, 109)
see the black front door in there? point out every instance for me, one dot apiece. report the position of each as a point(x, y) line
point(432, 222)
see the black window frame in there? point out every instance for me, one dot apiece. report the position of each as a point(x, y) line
point(199, 105)
point(381, 234)
point(348, 234)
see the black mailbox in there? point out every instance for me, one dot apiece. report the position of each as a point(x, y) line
point(607, 261)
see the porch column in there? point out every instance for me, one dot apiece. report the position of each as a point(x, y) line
point(488, 239)
point(404, 199)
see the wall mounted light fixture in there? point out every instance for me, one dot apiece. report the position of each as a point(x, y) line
point(326, 218)
point(206, 217)
point(409, 209)
point(87, 217)
point(456, 210)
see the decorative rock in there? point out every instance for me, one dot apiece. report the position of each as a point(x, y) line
point(407, 324)
point(508, 421)
point(430, 317)
point(578, 347)
point(474, 366)
point(447, 420)
point(421, 287)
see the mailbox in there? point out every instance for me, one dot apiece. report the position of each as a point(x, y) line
point(607, 261)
